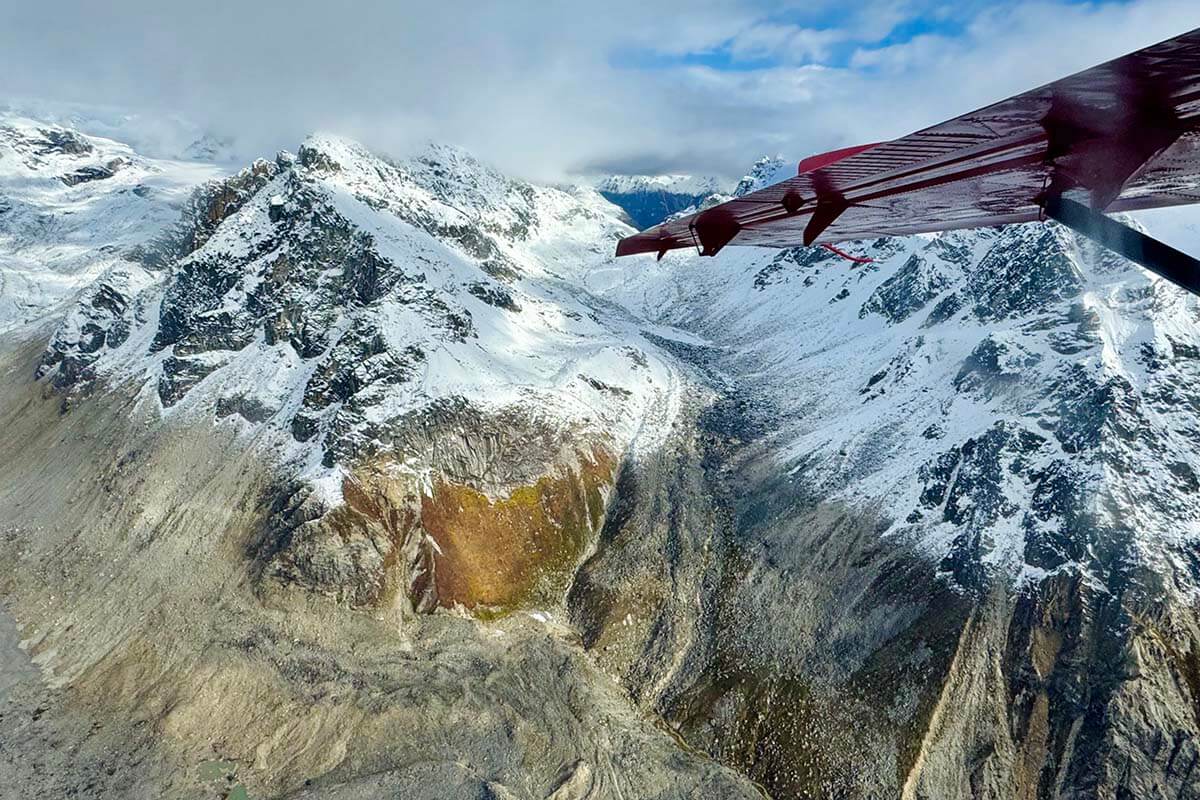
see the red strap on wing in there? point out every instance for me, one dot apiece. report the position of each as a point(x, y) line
point(847, 256)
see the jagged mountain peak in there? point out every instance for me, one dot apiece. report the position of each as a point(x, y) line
point(766, 171)
point(340, 152)
point(963, 379)
point(695, 185)
point(333, 153)
point(973, 464)
point(333, 294)
point(450, 193)
point(459, 179)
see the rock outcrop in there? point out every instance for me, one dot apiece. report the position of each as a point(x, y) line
point(377, 478)
point(955, 565)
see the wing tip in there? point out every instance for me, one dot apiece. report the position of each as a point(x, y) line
point(647, 242)
point(630, 246)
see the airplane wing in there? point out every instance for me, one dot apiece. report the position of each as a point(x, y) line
point(1121, 136)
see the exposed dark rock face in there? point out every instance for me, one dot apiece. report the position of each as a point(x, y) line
point(494, 295)
point(290, 269)
point(293, 299)
point(907, 291)
point(102, 320)
point(59, 140)
point(359, 360)
point(921, 528)
point(998, 625)
point(781, 636)
point(86, 174)
point(330, 397)
point(1025, 278)
point(791, 257)
point(48, 141)
point(215, 202)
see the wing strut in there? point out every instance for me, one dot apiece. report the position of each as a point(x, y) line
point(1162, 259)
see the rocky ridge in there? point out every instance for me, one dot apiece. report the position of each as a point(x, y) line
point(366, 309)
point(75, 206)
point(344, 380)
point(974, 486)
point(918, 528)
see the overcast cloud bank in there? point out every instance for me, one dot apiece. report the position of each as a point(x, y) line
point(551, 90)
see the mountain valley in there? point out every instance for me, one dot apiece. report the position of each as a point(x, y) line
point(346, 476)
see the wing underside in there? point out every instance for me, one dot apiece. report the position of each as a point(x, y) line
point(1121, 136)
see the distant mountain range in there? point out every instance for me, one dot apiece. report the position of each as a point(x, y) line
point(649, 199)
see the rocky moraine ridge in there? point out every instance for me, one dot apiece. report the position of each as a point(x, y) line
point(361, 477)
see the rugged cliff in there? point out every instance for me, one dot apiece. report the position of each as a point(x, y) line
point(375, 478)
point(958, 493)
point(294, 492)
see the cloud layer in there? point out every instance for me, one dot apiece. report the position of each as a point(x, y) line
point(548, 90)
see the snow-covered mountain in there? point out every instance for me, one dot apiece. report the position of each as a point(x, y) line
point(438, 292)
point(1059, 360)
point(967, 517)
point(387, 473)
point(75, 205)
point(338, 379)
point(649, 199)
point(765, 172)
point(337, 299)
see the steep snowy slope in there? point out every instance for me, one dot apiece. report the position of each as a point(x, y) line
point(244, 475)
point(431, 278)
point(965, 519)
point(340, 300)
point(74, 206)
point(377, 478)
point(1027, 339)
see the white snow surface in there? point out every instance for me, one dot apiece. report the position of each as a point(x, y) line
point(541, 356)
point(696, 185)
point(56, 239)
point(863, 402)
point(561, 355)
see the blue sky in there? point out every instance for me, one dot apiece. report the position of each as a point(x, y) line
point(843, 30)
point(554, 90)
point(834, 23)
point(848, 73)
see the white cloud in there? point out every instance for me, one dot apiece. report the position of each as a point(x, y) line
point(536, 88)
point(789, 43)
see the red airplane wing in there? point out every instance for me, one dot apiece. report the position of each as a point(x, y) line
point(1121, 136)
